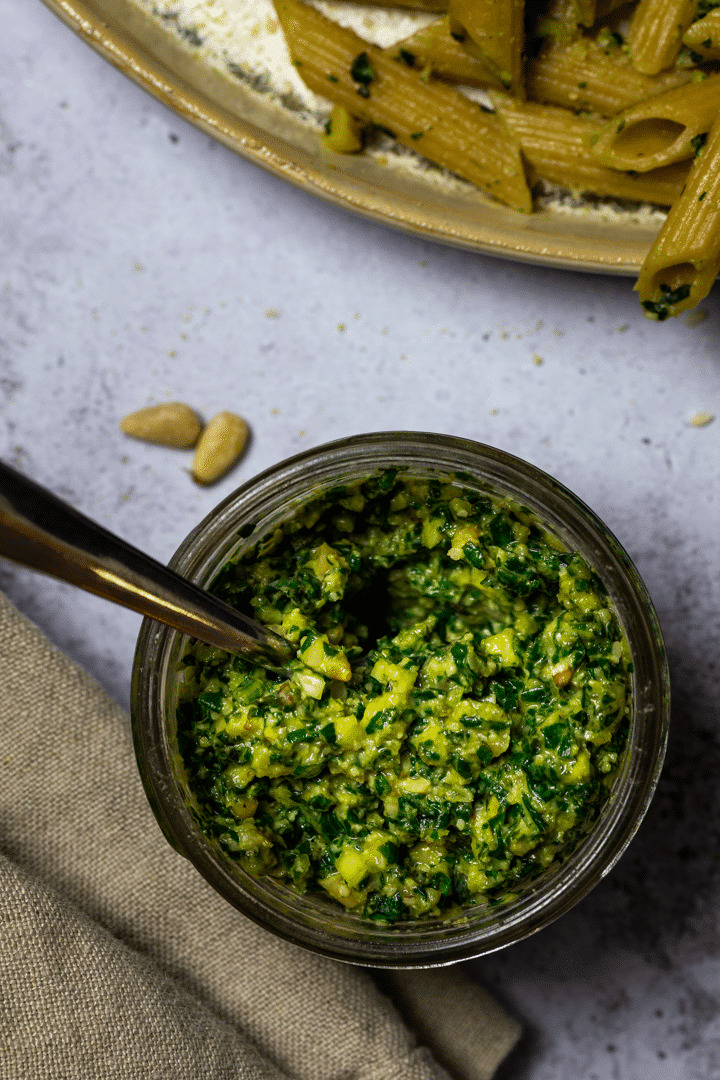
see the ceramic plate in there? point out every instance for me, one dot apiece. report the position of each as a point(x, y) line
point(193, 56)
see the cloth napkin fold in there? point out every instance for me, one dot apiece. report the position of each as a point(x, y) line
point(117, 960)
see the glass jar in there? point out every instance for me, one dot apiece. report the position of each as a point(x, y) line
point(313, 921)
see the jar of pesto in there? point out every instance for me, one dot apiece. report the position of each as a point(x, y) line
point(472, 730)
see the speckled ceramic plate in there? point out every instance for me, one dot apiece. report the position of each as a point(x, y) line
point(162, 57)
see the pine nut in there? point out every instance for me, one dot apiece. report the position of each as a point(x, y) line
point(174, 424)
point(220, 446)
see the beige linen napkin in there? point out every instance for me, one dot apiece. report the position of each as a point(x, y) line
point(117, 960)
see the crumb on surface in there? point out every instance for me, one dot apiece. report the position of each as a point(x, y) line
point(701, 419)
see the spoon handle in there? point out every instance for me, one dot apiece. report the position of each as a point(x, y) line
point(42, 532)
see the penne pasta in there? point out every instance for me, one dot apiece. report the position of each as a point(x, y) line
point(669, 127)
point(587, 74)
point(595, 75)
point(656, 32)
point(703, 36)
point(685, 259)
point(493, 31)
point(431, 118)
point(435, 48)
point(556, 144)
point(588, 112)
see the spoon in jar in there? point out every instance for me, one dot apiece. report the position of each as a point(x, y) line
point(40, 531)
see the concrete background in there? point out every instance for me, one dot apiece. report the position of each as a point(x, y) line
point(141, 262)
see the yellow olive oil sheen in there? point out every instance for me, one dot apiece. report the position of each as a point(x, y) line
point(455, 716)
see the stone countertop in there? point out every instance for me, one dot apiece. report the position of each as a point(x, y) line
point(142, 262)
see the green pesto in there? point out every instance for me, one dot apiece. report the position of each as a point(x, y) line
point(662, 308)
point(455, 717)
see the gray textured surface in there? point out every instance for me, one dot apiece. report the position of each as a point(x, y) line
point(140, 262)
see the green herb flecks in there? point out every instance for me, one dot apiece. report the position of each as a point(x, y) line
point(661, 309)
point(363, 73)
point(471, 740)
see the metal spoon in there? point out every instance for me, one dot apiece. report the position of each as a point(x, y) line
point(42, 532)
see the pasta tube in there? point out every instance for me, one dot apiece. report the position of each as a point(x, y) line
point(432, 118)
point(669, 127)
point(684, 260)
point(703, 36)
point(656, 32)
point(594, 75)
point(556, 144)
point(435, 48)
point(494, 32)
point(590, 75)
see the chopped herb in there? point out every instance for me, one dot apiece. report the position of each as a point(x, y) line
point(698, 143)
point(660, 309)
point(362, 72)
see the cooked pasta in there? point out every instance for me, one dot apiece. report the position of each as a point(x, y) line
point(591, 74)
point(669, 127)
point(685, 259)
point(493, 32)
point(656, 32)
point(556, 143)
point(570, 103)
point(703, 36)
point(435, 48)
point(434, 119)
point(595, 75)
